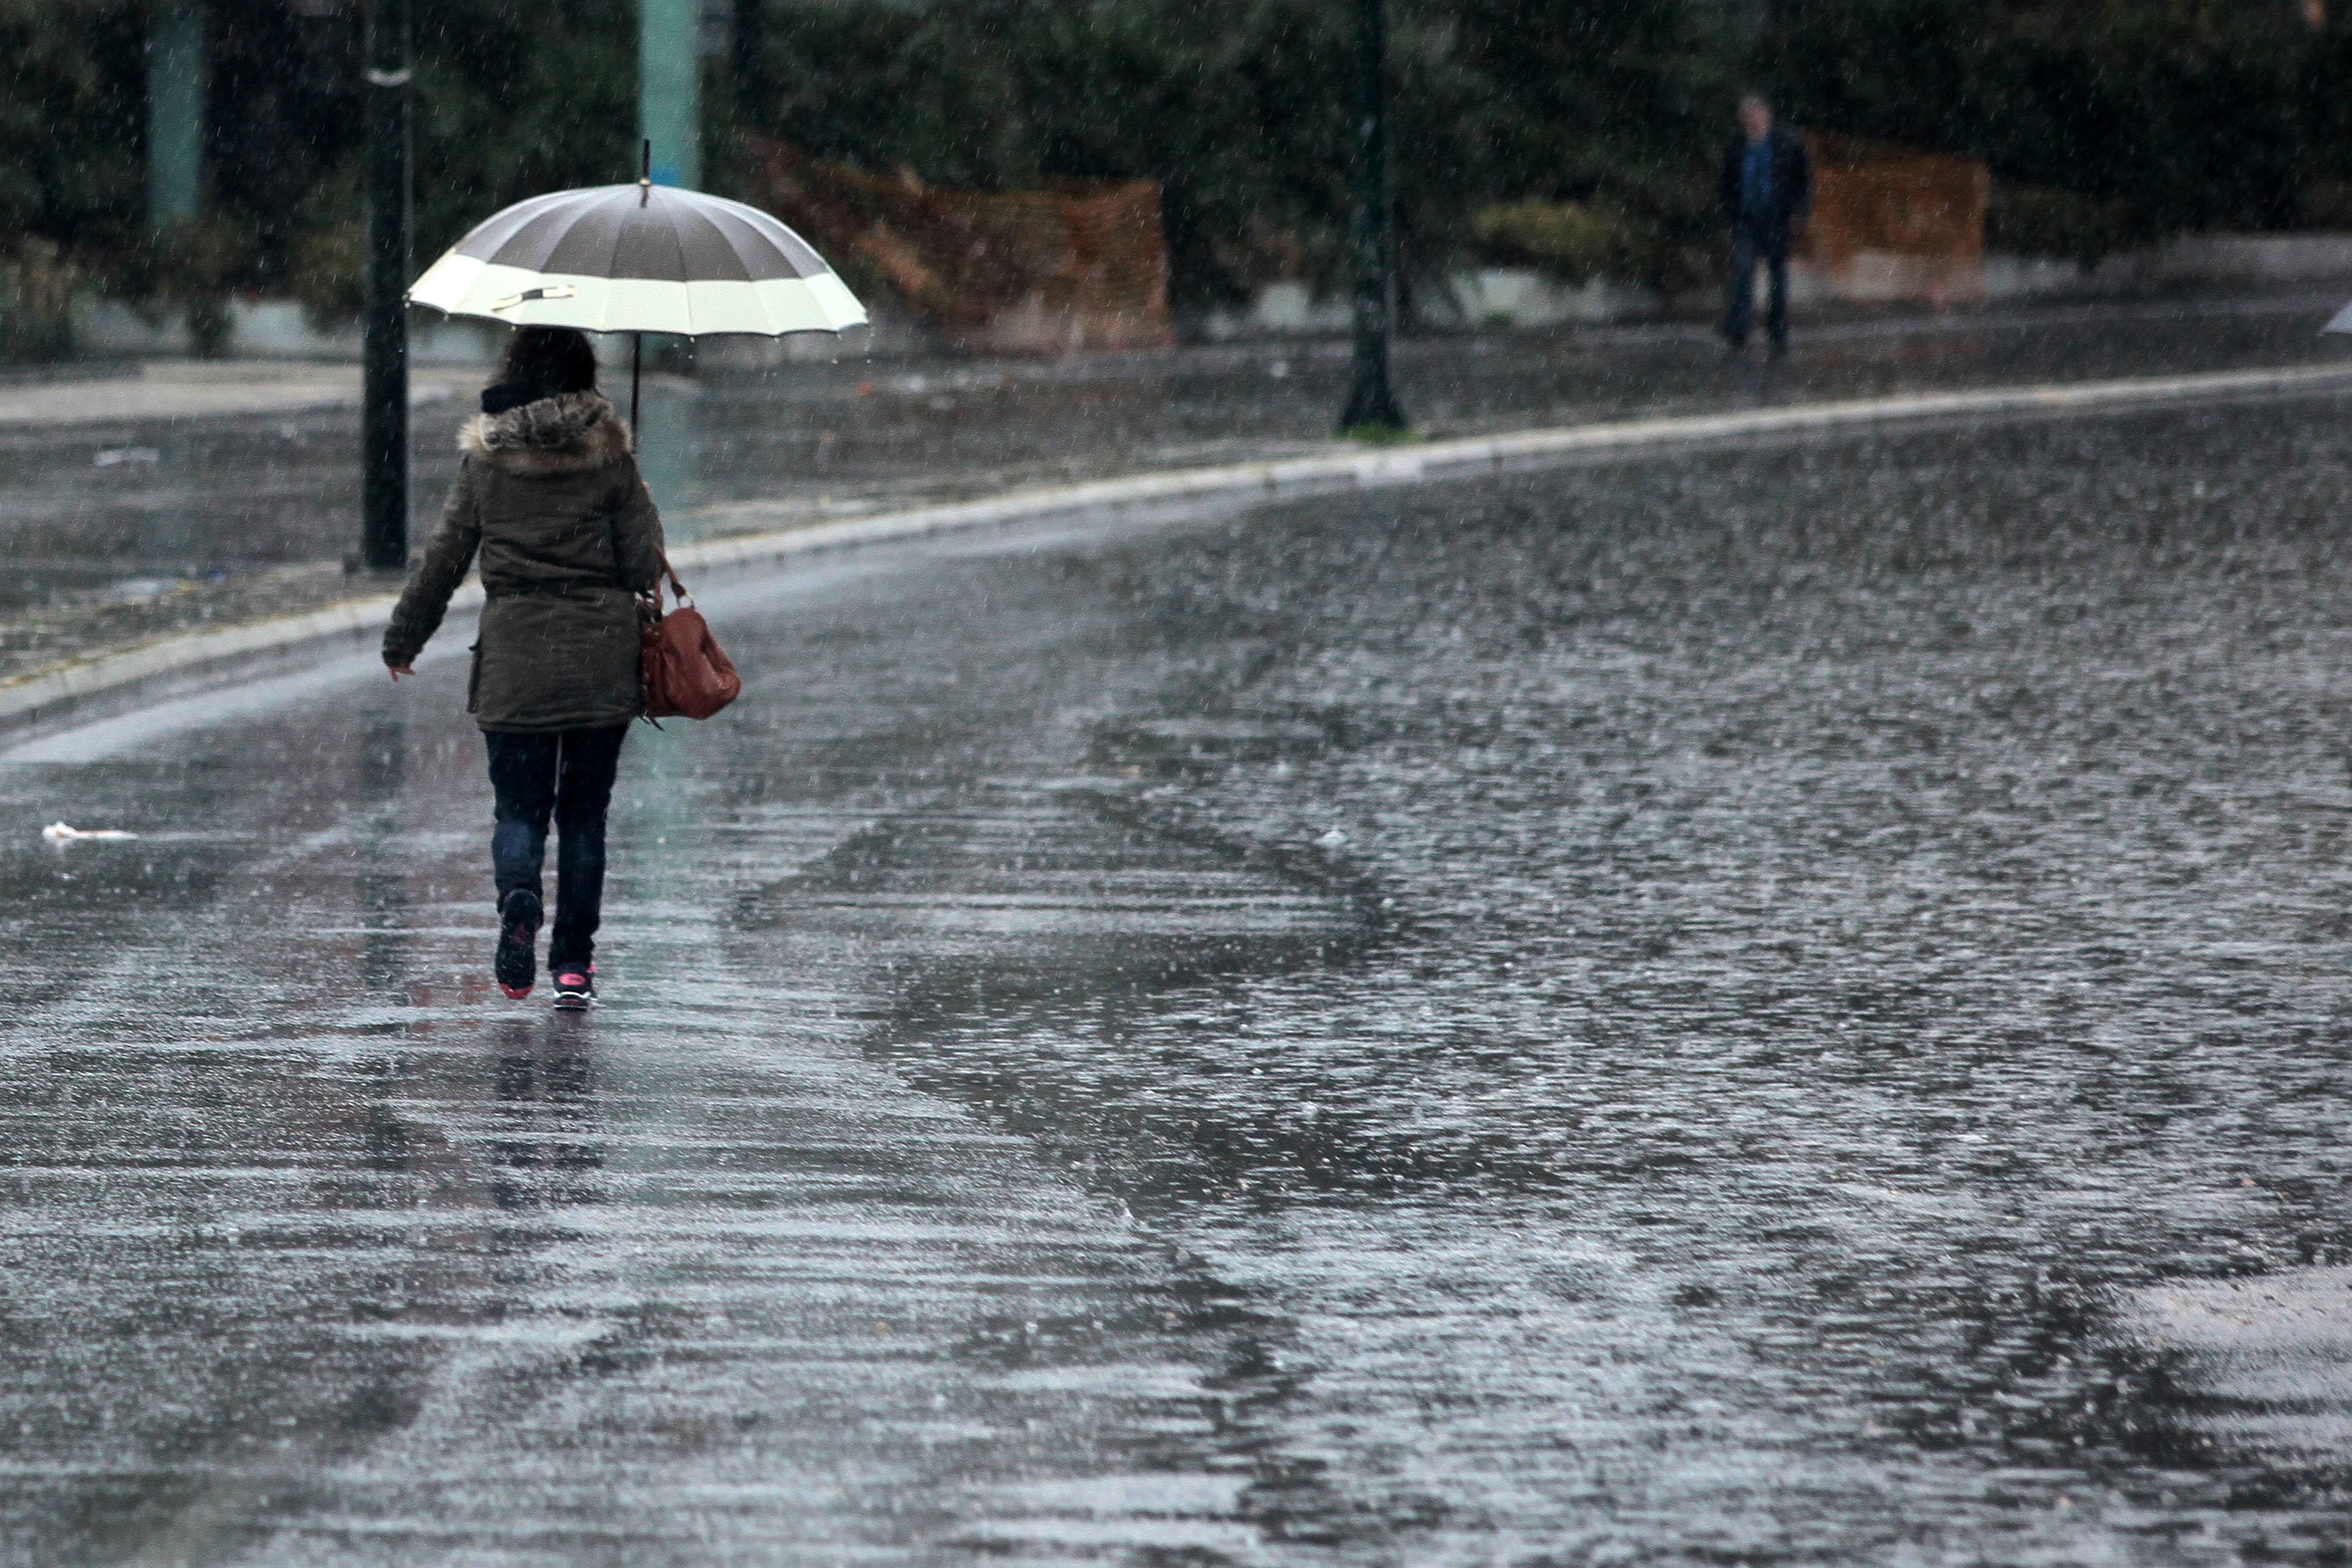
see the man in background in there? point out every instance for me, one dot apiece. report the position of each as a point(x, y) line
point(1766, 192)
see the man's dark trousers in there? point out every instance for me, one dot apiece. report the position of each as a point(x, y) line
point(1749, 246)
point(568, 776)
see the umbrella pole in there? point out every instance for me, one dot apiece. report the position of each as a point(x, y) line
point(636, 369)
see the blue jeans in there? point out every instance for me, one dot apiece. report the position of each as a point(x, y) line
point(566, 776)
point(1747, 248)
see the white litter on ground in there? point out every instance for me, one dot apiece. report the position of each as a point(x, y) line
point(58, 833)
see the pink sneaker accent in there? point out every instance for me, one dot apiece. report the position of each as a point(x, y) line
point(575, 987)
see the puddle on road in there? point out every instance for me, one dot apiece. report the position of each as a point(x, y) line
point(1758, 1043)
point(2252, 1380)
point(1004, 909)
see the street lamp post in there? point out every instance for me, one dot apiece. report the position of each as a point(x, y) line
point(176, 113)
point(1372, 403)
point(669, 89)
point(383, 407)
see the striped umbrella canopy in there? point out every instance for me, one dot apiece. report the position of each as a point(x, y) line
point(639, 259)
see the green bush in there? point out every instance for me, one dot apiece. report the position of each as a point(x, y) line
point(2192, 119)
point(327, 260)
point(513, 100)
point(72, 171)
point(2035, 220)
point(2327, 203)
point(38, 287)
point(192, 268)
point(510, 100)
point(1247, 122)
point(1572, 241)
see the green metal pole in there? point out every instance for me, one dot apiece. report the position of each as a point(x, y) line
point(1372, 403)
point(669, 89)
point(175, 112)
point(388, 162)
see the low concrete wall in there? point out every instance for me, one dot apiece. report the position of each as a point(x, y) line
point(1513, 297)
point(271, 329)
point(1520, 299)
point(1888, 278)
point(277, 329)
point(2230, 259)
point(2224, 261)
point(1281, 309)
point(1500, 297)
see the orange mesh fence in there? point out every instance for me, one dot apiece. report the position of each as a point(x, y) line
point(1891, 221)
point(1080, 265)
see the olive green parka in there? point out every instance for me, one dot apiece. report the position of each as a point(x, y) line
point(549, 494)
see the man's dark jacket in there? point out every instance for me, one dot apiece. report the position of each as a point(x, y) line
point(1791, 198)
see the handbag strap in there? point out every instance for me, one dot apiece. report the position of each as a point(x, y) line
point(684, 598)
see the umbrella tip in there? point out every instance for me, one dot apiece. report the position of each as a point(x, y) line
point(645, 170)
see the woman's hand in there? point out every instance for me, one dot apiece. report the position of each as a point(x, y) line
point(398, 670)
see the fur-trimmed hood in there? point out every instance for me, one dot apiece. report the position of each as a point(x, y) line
point(566, 434)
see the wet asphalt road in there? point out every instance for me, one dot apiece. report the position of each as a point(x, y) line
point(1761, 1006)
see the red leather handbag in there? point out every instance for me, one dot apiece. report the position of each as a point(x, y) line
point(685, 673)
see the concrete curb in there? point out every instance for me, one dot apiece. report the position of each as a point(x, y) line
point(24, 700)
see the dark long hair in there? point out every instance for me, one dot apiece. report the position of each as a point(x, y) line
point(541, 362)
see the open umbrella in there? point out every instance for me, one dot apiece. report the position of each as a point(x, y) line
point(639, 259)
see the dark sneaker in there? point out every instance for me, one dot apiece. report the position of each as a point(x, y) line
point(518, 961)
point(575, 985)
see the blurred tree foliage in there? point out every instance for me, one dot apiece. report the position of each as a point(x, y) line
point(71, 179)
point(1246, 121)
point(36, 296)
point(2038, 220)
point(511, 99)
point(192, 267)
point(2157, 117)
point(72, 107)
point(1576, 134)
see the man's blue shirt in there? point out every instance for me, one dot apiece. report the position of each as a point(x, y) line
point(1756, 179)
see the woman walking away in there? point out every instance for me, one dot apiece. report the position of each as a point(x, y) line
point(548, 490)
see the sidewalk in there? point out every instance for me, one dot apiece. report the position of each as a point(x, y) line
point(173, 390)
point(193, 497)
